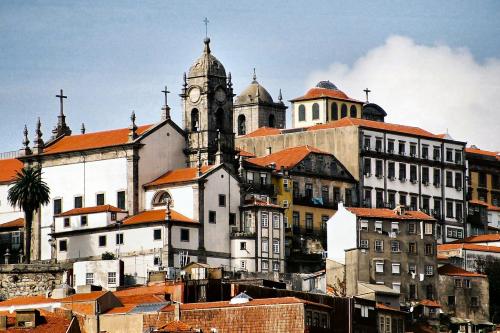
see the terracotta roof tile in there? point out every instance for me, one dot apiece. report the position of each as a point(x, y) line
point(478, 151)
point(385, 213)
point(388, 308)
point(143, 290)
point(121, 309)
point(480, 239)
point(451, 270)
point(93, 140)
point(315, 93)
point(254, 302)
point(494, 208)
point(263, 131)
point(441, 256)
point(17, 223)
point(155, 216)
point(287, 158)
point(92, 210)
point(49, 323)
point(179, 176)
point(429, 303)
point(86, 297)
point(468, 246)
point(9, 169)
point(478, 202)
point(244, 153)
point(28, 300)
point(142, 299)
point(377, 125)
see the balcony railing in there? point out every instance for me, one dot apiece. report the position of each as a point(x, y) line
point(314, 202)
point(260, 188)
point(243, 234)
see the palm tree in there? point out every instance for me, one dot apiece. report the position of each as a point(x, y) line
point(29, 192)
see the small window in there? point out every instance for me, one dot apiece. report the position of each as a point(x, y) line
point(120, 199)
point(276, 246)
point(99, 199)
point(243, 245)
point(315, 109)
point(395, 246)
point(111, 277)
point(113, 216)
point(429, 229)
point(66, 222)
point(429, 270)
point(474, 301)
point(222, 200)
point(78, 202)
point(363, 225)
point(276, 221)
point(334, 111)
point(378, 226)
point(57, 206)
point(265, 245)
point(467, 283)
point(232, 219)
point(265, 265)
point(63, 245)
point(264, 218)
point(379, 245)
point(119, 239)
point(102, 241)
point(395, 227)
point(396, 268)
point(243, 264)
point(411, 228)
point(364, 243)
point(157, 261)
point(429, 249)
point(89, 278)
point(412, 248)
point(156, 234)
point(212, 216)
point(83, 220)
point(343, 111)
point(451, 300)
point(379, 266)
point(184, 235)
point(276, 266)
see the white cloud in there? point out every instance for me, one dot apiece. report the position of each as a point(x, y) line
point(433, 87)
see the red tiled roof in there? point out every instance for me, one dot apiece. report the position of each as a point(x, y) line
point(93, 140)
point(176, 326)
point(49, 323)
point(451, 270)
point(468, 246)
point(440, 256)
point(377, 125)
point(121, 309)
point(315, 93)
point(260, 203)
point(429, 303)
point(244, 153)
point(388, 308)
point(143, 290)
point(86, 297)
point(254, 302)
point(494, 208)
point(92, 210)
point(155, 216)
point(287, 158)
point(478, 151)
point(263, 131)
point(179, 176)
point(17, 223)
point(385, 213)
point(480, 239)
point(478, 202)
point(9, 169)
point(28, 300)
point(142, 299)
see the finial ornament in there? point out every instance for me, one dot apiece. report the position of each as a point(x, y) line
point(133, 127)
point(207, 45)
point(254, 75)
point(26, 141)
point(185, 80)
point(280, 97)
point(229, 80)
point(38, 142)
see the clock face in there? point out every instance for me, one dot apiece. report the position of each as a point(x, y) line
point(220, 95)
point(194, 94)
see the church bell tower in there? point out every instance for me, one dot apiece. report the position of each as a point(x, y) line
point(207, 98)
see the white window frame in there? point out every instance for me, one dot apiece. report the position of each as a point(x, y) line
point(276, 221)
point(276, 246)
point(379, 242)
point(111, 278)
point(89, 278)
point(363, 225)
point(265, 245)
point(264, 219)
point(379, 266)
point(276, 266)
point(395, 227)
point(396, 286)
point(378, 227)
point(243, 264)
point(396, 268)
point(364, 244)
point(429, 270)
point(428, 228)
point(264, 265)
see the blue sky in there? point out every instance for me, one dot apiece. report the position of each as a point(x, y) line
point(112, 57)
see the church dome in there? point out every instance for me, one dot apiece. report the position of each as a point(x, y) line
point(254, 93)
point(326, 85)
point(207, 64)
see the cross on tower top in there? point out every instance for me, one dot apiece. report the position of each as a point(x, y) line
point(166, 92)
point(367, 91)
point(61, 98)
point(206, 21)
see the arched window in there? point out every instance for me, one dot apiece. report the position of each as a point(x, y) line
point(219, 120)
point(195, 120)
point(302, 112)
point(272, 120)
point(315, 111)
point(353, 111)
point(335, 111)
point(161, 198)
point(242, 126)
point(343, 111)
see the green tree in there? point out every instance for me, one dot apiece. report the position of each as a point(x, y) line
point(29, 192)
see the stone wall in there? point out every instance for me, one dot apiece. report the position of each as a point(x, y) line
point(30, 280)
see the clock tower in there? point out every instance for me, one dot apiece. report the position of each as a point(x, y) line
point(207, 99)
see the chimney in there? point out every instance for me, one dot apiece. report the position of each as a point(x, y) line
point(177, 312)
point(268, 150)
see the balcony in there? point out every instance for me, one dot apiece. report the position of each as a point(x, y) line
point(314, 202)
point(267, 189)
point(243, 234)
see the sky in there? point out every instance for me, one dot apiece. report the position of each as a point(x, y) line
point(430, 64)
